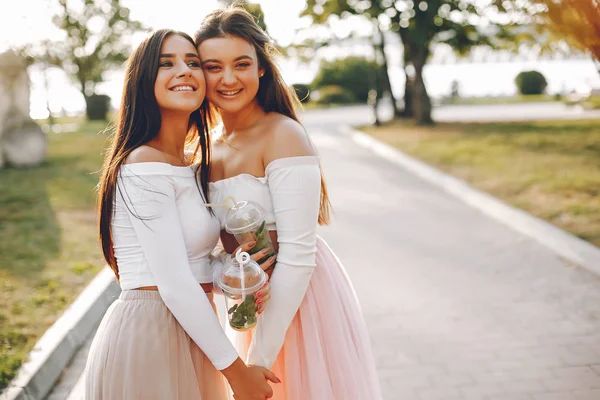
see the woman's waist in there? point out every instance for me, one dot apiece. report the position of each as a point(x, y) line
point(153, 295)
point(207, 287)
point(138, 275)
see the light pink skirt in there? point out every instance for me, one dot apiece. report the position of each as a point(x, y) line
point(141, 352)
point(327, 352)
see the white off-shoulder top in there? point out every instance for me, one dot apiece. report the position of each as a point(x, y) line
point(290, 194)
point(163, 236)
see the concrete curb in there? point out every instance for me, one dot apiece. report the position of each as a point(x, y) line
point(566, 245)
point(54, 350)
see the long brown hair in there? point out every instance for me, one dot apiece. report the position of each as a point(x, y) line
point(274, 95)
point(138, 122)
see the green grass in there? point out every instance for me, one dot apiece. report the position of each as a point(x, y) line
point(48, 243)
point(550, 169)
point(593, 103)
point(500, 99)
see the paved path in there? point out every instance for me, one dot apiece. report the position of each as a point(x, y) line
point(458, 305)
point(363, 114)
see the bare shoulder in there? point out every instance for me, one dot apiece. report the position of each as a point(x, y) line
point(146, 154)
point(217, 145)
point(287, 138)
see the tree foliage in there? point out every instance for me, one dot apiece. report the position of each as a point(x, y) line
point(578, 21)
point(354, 74)
point(253, 8)
point(97, 39)
point(531, 82)
point(461, 24)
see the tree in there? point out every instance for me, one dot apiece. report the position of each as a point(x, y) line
point(421, 25)
point(97, 39)
point(254, 9)
point(378, 42)
point(531, 82)
point(578, 21)
point(354, 74)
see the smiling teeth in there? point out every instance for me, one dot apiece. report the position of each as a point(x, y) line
point(230, 92)
point(183, 89)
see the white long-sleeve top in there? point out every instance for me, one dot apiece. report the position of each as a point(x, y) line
point(290, 195)
point(163, 236)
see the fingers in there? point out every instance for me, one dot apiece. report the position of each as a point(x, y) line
point(260, 254)
point(262, 302)
point(270, 376)
point(262, 297)
point(244, 247)
point(270, 392)
point(267, 264)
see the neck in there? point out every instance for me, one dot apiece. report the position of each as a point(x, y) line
point(242, 120)
point(173, 132)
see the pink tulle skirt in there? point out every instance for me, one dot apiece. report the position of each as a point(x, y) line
point(141, 352)
point(327, 352)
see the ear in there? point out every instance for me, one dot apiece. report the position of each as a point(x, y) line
point(261, 72)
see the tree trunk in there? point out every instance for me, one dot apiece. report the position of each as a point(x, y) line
point(422, 102)
point(51, 119)
point(385, 72)
point(408, 111)
point(83, 93)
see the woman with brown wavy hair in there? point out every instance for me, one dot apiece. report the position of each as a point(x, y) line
point(161, 338)
point(311, 332)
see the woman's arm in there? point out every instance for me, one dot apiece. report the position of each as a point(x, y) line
point(294, 179)
point(150, 200)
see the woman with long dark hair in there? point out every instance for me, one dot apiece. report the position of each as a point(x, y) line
point(161, 339)
point(311, 332)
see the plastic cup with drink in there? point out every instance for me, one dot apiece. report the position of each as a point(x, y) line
point(240, 279)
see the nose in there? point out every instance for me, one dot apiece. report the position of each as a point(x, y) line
point(184, 70)
point(228, 77)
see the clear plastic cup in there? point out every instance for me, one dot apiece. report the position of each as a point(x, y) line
point(246, 222)
point(240, 279)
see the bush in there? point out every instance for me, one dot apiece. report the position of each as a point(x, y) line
point(333, 94)
point(302, 91)
point(97, 106)
point(531, 82)
point(355, 74)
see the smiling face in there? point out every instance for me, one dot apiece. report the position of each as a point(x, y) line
point(179, 84)
point(232, 72)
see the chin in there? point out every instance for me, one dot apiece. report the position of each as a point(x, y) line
point(232, 107)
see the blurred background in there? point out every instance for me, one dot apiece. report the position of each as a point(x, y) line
point(504, 94)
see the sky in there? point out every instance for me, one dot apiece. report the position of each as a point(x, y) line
point(30, 21)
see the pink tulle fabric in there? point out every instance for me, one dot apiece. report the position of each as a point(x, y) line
point(327, 351)
point(141, 352)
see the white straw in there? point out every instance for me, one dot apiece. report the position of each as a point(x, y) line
point(242, 258)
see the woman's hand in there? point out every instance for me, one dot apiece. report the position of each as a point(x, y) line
point(256, 375)
point(267, 266)
point(250, 382)
point(264, 293)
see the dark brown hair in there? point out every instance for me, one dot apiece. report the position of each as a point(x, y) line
point(274, 95)
point(138, 122)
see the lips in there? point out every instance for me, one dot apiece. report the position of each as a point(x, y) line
point(229, 93)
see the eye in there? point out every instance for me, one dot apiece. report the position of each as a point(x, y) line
point(212, 68)
point(166, 64)
point(243, 65)
point(194, 64)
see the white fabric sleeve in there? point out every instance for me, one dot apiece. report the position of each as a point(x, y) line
point(295, 186)
point(217, 261)
point(150, 201)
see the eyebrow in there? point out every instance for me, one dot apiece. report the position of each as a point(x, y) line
point(236, 59)
point(170, 55)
